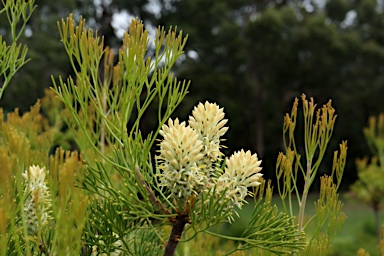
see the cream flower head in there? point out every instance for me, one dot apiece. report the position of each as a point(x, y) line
point(38, 203)
point(207, 120)
point(35, 176)
point(180, 156)
point(241, 172)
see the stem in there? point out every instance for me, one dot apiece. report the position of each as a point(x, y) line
point(151, 195)
point(102, 125)
point(376, 206)
point(304, 198)
point(177, 230)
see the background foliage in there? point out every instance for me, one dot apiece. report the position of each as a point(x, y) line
point(252, 57)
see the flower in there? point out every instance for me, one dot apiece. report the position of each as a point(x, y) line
point(35, 177)
point(207, 120)
point(180, 156)
point(38, 203)
point(117, 244)
point(241, 172)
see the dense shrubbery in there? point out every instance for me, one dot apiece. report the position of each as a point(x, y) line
point(113, 197)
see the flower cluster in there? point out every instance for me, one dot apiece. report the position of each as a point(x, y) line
point(241, 172)
point(208, 121)
point(38, 203)
point(189, 154)
point(180, 155)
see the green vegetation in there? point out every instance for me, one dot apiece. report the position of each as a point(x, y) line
point(241, 55)
point(358, 231)
point(369, 186)
point(135, 180)
point(113, 197)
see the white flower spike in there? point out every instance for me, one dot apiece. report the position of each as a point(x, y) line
point(241, 172)
point(38, 203)
point(180, 155)
point(208, 121)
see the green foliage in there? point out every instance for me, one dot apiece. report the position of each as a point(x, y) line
point(44, 48)
point(369, 186)
point(114, 197)
point(105, 113)
point(13, 56)
point(318, 128)
point(25, 141)
point(18, 14)
point(266, 227)
point(247, 64)
point(109, 103)
point(54, 111)
point(337, 9)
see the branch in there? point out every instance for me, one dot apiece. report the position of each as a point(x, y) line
point(177, 230)
point(151, 195)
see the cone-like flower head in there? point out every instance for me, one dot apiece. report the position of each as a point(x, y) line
point(35, 177)
point(180, 156)
point(36, 206)
point(207, 120)
point(241, 172)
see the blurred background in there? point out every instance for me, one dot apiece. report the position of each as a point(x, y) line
point(252, 57)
